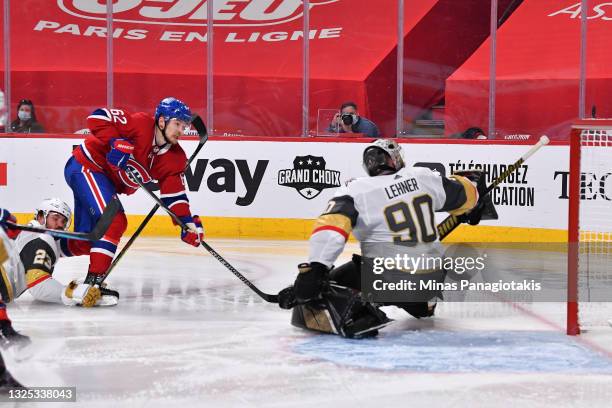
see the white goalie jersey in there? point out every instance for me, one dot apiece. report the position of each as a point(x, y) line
point(397, 209)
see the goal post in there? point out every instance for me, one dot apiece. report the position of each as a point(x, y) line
point(589, 266)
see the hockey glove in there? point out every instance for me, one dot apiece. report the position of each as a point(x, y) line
point(120, 152)
point(195, 234)
point(473, 217)
point(81, 294)
point(5, 216)
point(312, 279)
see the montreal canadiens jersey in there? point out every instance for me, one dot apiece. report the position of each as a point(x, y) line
point(397, 209)
point(165, 164)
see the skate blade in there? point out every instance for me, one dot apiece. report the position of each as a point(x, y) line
point(370, 329)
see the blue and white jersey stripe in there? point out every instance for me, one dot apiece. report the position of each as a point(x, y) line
point(101, 113)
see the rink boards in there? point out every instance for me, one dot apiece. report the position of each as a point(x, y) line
point(271, 188)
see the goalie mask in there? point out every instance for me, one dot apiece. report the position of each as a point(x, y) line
point(54, 205)
point(384, 156)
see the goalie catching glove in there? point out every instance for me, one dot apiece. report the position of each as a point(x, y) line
point(484, 208)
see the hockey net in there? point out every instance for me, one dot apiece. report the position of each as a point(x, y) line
point(590, 226)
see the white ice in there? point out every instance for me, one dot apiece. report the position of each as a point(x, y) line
point(188, 333)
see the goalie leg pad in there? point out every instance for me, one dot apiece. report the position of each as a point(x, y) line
point(418, 309)
point(313, 316)
point(341, 311)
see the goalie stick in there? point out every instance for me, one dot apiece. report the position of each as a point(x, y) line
point(452, 221)
point(200, 127)
point(95, 234)
point(265, 296)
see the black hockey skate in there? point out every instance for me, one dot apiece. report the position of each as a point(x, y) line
point(94, 278)
point(7, 381)
point(9, 337)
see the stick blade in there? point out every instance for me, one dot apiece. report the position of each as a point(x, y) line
point(199, 126)
point(105, 220)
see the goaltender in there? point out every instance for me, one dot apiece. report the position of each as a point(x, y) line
point(393, 207)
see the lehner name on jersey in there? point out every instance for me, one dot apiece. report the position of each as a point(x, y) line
point(402, 187)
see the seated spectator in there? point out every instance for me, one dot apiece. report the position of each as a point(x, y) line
point(474, 133)
point(26, 119)
point(349, 121)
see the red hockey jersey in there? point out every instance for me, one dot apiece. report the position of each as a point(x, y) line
point(166, 165)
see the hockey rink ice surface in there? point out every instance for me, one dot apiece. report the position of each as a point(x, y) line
point(188, 333)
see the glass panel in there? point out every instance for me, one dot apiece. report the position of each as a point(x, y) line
point(3, 99)
point(57, 62)
point(598, 60)
point(354, 60)
point(447, 68)
point(159, 50)
point(258, 68)
point(538, 49)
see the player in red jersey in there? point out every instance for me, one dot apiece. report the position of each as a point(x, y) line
point(148, 146)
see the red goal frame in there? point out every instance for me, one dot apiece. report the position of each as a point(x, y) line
point(573, 227)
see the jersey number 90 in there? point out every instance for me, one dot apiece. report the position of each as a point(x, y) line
point(401, 218)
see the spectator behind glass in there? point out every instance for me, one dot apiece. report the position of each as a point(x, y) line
point(349, 121)
point(26, 119)
point(474, 133)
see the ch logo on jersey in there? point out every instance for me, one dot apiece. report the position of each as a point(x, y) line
point(309, 176)
point(138, 170)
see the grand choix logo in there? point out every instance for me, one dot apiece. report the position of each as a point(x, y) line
point(309, 176)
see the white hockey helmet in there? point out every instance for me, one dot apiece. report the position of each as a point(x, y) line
point(382, 156)
point(54, 205)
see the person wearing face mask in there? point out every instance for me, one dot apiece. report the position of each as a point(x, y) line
point(26, 119)
point(349, 121)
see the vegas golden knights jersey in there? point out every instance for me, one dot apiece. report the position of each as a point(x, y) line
point(396, 209)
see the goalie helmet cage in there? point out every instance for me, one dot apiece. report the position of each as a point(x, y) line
point(589, 286)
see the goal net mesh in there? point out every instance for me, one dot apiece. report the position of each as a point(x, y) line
point(595, 226)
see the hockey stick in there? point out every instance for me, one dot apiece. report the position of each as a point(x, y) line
point(95, 234)
point(452, 221)
point(267, 297)
point(200, 127)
